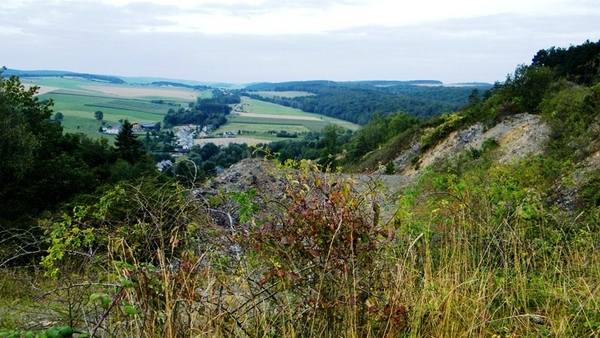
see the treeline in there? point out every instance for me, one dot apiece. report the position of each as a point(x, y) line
point(42, 168)
point(358, 101)
point(204, 112)
point(179, 84)
point(580, 64)
point(45, 171)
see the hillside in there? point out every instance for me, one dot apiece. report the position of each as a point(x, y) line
point(358, 101)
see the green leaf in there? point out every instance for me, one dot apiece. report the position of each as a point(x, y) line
point(105, 301)
point(130, 310)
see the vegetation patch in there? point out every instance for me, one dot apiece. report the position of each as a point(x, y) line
point(134, 105)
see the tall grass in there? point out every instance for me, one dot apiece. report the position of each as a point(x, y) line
point(480, 253)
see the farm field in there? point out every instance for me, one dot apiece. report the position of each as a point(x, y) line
point(266, 108)
point(79, 99)
point(260, 119)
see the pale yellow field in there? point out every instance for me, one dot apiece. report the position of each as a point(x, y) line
point(137, 91)
point(42, 89)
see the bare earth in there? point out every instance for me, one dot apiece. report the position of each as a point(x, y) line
point(136, 91)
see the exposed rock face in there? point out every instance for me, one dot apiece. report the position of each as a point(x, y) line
point(518, 136)
point(247, 174)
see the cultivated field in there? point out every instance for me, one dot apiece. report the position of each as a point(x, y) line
point(130, 91)
point(258, 121)
point(261, 119)
point(79, 99)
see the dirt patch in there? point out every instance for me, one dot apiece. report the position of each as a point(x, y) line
point(224, 141)
point(136, 92)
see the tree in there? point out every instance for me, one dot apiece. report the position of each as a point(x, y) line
point(22, 118)
point(99, 115)
point(330, 140)
point(127, 144)
point(474, 98)
point(59, 116)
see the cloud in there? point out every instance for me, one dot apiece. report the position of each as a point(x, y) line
point(269, 40)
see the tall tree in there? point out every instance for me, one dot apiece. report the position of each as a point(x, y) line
point(127, 145)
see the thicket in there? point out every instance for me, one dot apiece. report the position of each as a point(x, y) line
point(474, 249)
point(205, 112)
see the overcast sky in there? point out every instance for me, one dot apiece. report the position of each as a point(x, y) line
point(241, 41)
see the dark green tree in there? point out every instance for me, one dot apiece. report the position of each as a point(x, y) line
point(22, 118)
point(99, 115)
point(330, 140)
point(474, 98)
point(127, 145)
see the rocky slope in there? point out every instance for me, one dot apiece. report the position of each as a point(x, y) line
point(518, 136)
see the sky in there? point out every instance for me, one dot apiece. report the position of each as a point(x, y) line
point(243, 41)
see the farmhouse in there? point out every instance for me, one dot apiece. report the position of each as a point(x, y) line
point(112, 130)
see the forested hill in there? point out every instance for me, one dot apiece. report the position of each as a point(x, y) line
point(358, 101)
point(45, 73)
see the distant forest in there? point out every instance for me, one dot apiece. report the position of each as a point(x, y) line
point(204, 112)
point(60, 73)
point(358, 101)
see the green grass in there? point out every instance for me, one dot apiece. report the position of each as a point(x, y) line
point(262, 128)
point(134, 105)
point(78, 105)
point(262, 107)
point(65, 83)
point(267, 108)
point(79, 111)
point(312, 125)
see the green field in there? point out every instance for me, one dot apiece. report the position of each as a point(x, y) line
point(235, 126)
point(262, 122)
point(79, 111)
point(274, 117)
point(79, 99)
point(261, 107)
